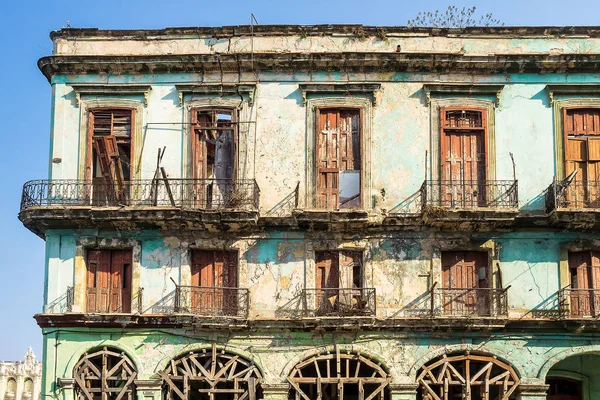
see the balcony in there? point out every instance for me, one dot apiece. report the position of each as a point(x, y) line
point(214, 302)
point(470, 303)
point(479, 203)
point(334, 302)
point(574, 204)
point(579, 303)
point(101, 204)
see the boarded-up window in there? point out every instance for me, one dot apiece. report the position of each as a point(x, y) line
point(584, 267)
point(214, 281)
point(463, 156)
point(582, 152)
point(338, 157)
point(463, 274)
point(111, 154)
point(109, 281)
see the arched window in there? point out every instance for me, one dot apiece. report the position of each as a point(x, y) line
point(564, 389)
point(28, 388)
point(11, 388)
point(338, 375)
point(106, 374)
point(467, 376)
point(211, 375)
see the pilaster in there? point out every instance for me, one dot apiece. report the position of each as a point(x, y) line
point(275, 391)
point(403, 391)
point(532, 390)
point(148, 389)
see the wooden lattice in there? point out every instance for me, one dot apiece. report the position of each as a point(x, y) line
point(105, 375)
point(468, 376)
point(331, 376)
point(210, 374)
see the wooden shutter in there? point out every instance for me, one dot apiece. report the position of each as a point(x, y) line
point(214, 269)
point(461, 270)
point(98, 281)
point(338, 143)
point(327, 268)
point(582, 147)
point(350, 269)
point(121, 281)
point(199, 122)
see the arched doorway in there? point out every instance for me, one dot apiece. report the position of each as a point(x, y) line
point(467, 376)
point(211, 374)
point(575, 378)
point(564, 389)
point(107, 374)
point(339, 376)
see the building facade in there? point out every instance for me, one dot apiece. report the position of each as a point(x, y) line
point(321, 212)
point(21, 380)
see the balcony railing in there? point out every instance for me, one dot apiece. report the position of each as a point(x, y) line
point(573, 195)
point(470, 194)
point(476, 302)
point(579, 303)
point(212, 301)
point(332, 302)
point(105, 301)
point(204, 194)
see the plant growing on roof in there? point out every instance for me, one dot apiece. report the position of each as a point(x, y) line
point(454, 17)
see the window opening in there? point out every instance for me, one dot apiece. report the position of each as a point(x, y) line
point(105, 375)
point(339, 278)
point(468, 376)
point(564, 389)
point(582, 155)
point(211, 374)
point(338, 158)
point(463, 158)
point(584, 271)
point(111, 150)
point(339, 376)
point(108, 281)
point(464, 283)
point(11, 389)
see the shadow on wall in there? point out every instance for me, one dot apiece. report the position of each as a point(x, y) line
point(166, 305)
point(293, 309)
point(409, 206)
point(285, 206)
point(420, 307)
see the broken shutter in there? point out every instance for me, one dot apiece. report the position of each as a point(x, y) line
point(215, 278)
point(582, 153)
point(338, 158)
point(463, 272)
point(585, 281)
point(111, 153)
point(463, 156)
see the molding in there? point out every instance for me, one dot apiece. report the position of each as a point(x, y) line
point(584, 89)
point(225, 89)
point(373, 89)
point(65, 383)
point(110, 90)
point(463, 89)
point(403, 388)
point(276, 388)
point(532, 389)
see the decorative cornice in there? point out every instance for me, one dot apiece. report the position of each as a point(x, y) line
point(578, 89)
point(275, 388)
point(532, 389)
point(403, 388)
point(219, 89)
point(110, 89)
point(372, 89)
point(463, 89)
point(350, 62)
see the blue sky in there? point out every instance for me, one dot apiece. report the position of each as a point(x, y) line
point(25, 100)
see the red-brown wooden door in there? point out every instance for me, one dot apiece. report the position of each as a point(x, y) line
point(338, 279)
point(214, 281)
point(584, 269)
point(463, 157)
point(582, 154)
point(338, 157)
point(109, 281)
point(463, 272)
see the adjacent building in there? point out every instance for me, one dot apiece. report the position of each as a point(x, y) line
point(321, 212)
point(21, 380)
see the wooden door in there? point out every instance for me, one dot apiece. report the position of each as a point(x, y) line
point(463, 272)
point(338, 157)
point(584, 269)
point(464, 157)
point(582, 154)
point(327, 279)
point(214, 280)
point(109, 281)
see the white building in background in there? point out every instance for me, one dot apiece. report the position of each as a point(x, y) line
point(21, 380)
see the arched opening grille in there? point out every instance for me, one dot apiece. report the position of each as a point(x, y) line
point(105, 375)
point(211, 375)
point(337, 376)
point(467, 376)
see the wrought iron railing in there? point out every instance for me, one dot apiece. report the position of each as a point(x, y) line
point(332, 302)
point(212, 301)
point(475, 302)
point(579, 303)
point(573, 195)
point(205, 194)
point(103, 301)
point(470, 194)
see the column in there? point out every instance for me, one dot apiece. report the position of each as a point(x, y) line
point(403, 391)
point(275, 391)
point(148, 389)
